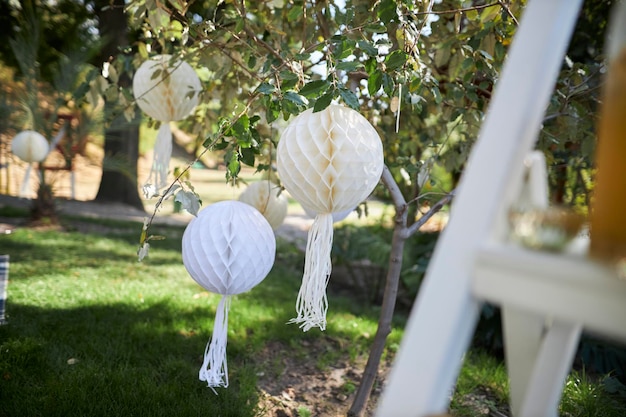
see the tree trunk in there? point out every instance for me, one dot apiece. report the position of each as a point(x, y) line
point(401, 232)
point(119, 172)
point(121, 139)
point(386, 315)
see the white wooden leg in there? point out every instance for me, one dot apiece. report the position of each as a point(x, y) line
point(523, 334)
point(446, 311)
point(552, 366)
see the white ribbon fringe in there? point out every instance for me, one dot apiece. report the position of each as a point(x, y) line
point(162, 156)
point(214, 369)
point(312, 303)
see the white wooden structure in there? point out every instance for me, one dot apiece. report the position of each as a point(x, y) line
point(546, 299)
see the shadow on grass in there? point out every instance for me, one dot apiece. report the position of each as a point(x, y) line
point(124, 359)
point(114, 360)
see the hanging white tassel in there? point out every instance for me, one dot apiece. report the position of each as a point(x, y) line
point(214, 369)
point(312, 303)
point(162, 156)
point(26, 182)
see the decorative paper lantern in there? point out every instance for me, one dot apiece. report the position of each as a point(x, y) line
point(30, 146)
point(266, 198)
point(166, 90)
point(329, 161)
point(228, 249)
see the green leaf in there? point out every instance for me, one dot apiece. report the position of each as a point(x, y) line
point(295, 98)
point(395, 60)
point(374, 82)
point(387, 11)
point(295, 13)
point(388, 84)
point(323, 102)
point(252, 61)
point(314, 88)
point(349, 66)
point(266, 88)
point(248, 156)
point(239, 25)
point(272, 110)
point(436, 94)
point(232, 163)
point(218, 146)
point(368, 48)
point(241, 126)
point(377, 27)
point(490, 13)
point(156, 74)
point(349, 98)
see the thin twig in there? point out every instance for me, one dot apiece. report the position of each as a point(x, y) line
point(508, 11)
point(460, 10)
point(410, 231)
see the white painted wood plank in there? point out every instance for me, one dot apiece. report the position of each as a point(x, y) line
point(563, 287)
point(523, 333)
point(443, 319)
point(552, 366)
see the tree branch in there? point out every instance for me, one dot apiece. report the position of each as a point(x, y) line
point(392, 186)
point(430, 213)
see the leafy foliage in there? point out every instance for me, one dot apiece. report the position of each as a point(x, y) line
point(424, 81)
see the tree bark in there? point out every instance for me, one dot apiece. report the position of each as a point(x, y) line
point(401, 232)
point(386, 314)
point(121, 139)
point(119, 172)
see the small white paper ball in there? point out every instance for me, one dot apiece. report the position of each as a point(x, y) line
point(264, 196)
point(30, 146)
point(166, 90)
point(228, 248)
point(331, 160)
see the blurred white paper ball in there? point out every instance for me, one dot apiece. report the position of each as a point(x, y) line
point(166, 90)
point(264, 196)
point(228, 248)
point(30, 146)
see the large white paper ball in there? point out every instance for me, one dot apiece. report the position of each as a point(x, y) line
point(265, 196)
point(330, 160)
point(228, 248)
point(166, 90)
point(30, 146)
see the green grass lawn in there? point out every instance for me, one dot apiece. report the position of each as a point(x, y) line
point(92, 332)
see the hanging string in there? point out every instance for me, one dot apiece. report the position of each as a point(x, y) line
point(312, 303)
point(214, 370)
point(162, 156)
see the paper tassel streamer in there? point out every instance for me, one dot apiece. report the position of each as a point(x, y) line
point(165, 90)
point(266, 198)
point(228, 249)
point(329, 161)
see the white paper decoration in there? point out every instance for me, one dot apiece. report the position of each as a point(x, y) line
point(265, 196)
point(30, 146)
point(228, 249)
point(165, 90)
point(329, 161)
point(337, 216)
